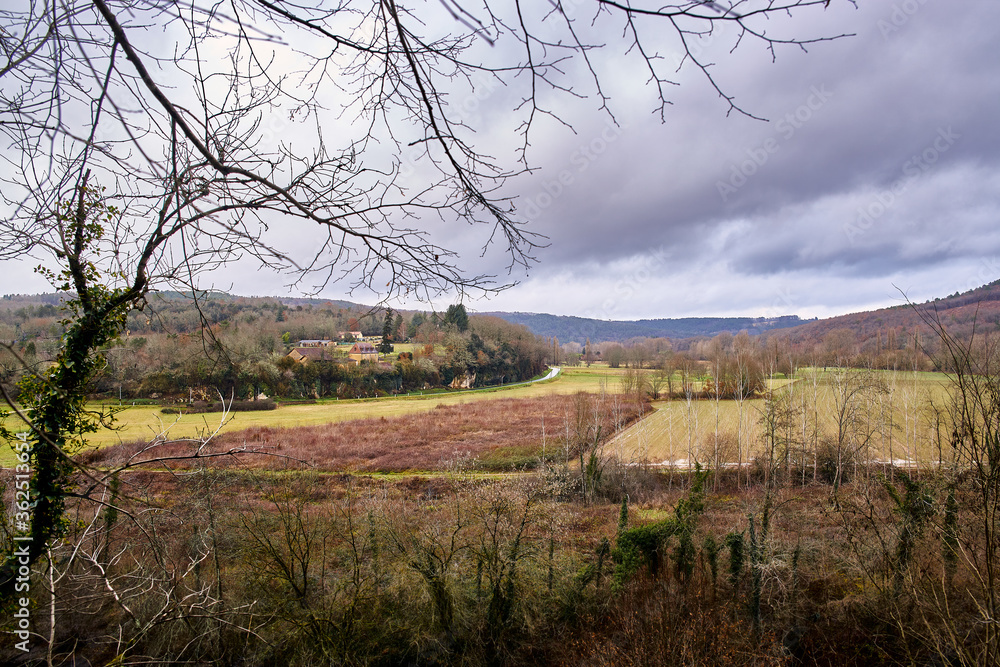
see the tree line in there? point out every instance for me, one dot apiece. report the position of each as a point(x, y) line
point(898, 348)
point(238, 347)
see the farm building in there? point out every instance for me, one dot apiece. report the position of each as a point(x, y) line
point(315, 343)
point(363, 352)
point(306, 354)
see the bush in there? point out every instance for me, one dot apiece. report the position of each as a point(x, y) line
point(827, 461)
point(245, 406)
point(200, 407)
point(621, 479)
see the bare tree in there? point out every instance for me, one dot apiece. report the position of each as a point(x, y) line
point(656, 380)
point(857, 394)
point(717, 351)
point(748, 382)
point(973, 417)
point(776, 418)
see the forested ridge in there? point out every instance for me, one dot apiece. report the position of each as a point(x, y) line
point(982, 303)
point(579, 329)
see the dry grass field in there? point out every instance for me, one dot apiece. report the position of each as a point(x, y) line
point(502, 434)
point(678, 431)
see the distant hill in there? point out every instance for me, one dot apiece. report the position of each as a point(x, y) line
point(959, 312)
point(20, 300)
point(579, 329)
point(284, 300)
point(169, 296)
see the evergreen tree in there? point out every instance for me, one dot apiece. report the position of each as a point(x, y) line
point(415, 322)
point(398, 332)
point(457, 315)
point(385, 347)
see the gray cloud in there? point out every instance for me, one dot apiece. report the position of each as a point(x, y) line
point(880, 160)
point(823, 209)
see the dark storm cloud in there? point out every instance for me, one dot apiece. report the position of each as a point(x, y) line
point(880, 157)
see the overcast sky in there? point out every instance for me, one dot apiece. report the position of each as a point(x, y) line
point(878, 171)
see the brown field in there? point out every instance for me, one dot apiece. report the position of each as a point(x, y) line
point(500, 434)
point(146, 422)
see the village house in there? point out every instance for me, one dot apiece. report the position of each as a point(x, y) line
point(363, 352)
point(316, 343)
point(316, 353)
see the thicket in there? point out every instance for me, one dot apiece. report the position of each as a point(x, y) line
point(304, 568)
point(199, 407)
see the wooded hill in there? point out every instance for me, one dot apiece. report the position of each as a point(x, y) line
point(241, 345)
point(893, 326)
point(579, 329)
point(904, 325)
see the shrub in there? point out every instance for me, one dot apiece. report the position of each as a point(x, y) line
point(245, 406)
point(827, 461)
point(200, 407)
point(641, 546)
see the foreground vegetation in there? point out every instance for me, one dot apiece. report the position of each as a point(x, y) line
point(217, 566)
